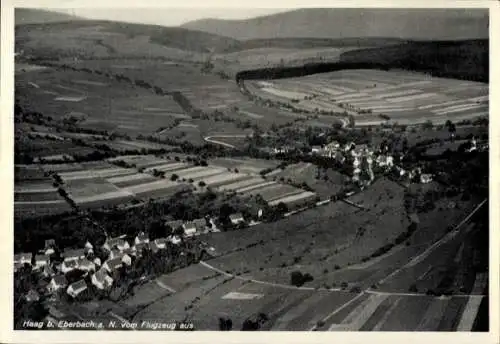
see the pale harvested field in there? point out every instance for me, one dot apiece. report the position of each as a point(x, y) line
point(100, 173)
point(405, 97)
point(293, 198)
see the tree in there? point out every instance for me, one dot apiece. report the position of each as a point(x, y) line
point(157, 230)
point(225, 324)
point(174, 177)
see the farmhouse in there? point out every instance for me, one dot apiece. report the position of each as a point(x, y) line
point(174, 239)
point(117, 243)
point(50, 245)
point(97, 261)
point(316, 149)
point(161, 243)
point(32, 296)
point(85, 264)
point(112, 264)
point(114, 253)
point(23, 258)
point(200, 224)
point(41, 260)
point(154, 247)
point(236, 218)
point(101, 279)
point(189, 228)
point(68, 265)
point(73, 254)
point(174, 224)
point(76, 288)
point(138, 249)
point(141, 238)
point(425, 178)
point(56, 283)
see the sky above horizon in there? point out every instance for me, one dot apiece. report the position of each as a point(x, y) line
point(168, 16)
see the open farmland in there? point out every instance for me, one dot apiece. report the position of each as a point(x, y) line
point(244, 165)
point(305, 240)
point(113, 105)
point(404, 97)
point(324, 182)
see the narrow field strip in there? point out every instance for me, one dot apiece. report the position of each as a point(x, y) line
point(167, 167)
point(102, 196)
point(127, 178)
point(388, 313)
point(39, 202)
point(292, 198)
point(469, 315)
point(459, 109)
point(223, 178)
point(242, 184)
point(433, 315)
point(413, 97)
point(142, 188)
point(255, 186)
point(201, 173)
point(356, 319)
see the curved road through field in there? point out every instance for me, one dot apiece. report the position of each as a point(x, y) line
point(413, 261)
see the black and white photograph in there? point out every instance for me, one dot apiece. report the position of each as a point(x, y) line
point(251, 169)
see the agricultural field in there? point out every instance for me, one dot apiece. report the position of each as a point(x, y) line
point(96, 102)
point(35, 194)
point(41, 148)
point(304, 241)
point(404, 97)
point(324, 182)
point(205, 91)
point(245, 165)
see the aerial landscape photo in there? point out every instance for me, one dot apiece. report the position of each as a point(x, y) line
point(319, 169)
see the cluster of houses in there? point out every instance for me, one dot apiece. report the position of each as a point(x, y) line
point(119, 253)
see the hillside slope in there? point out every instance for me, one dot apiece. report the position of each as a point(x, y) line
point(104, 39)
point(38, 16)
point(436, 24)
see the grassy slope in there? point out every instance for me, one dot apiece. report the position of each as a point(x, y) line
point(33, 16)
point(444, 24)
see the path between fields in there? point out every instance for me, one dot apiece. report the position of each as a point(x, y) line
point(431, 248)
point(278, 285)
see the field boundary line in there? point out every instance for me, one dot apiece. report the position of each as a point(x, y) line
point(338, 309)
point(277, 285)
point(423, 255)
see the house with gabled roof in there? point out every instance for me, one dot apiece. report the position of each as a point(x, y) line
point(154, 247)
point(114, 253)
point(41, 260)
point(57, 282)
point(141, 238)
point(161, 242)
point(101, 279)
point(174, 239)
point(118, 243)
point(200, 224)
point(174, 224)
point(23, 258)
point(112, 264)
point(189, 228)
point(49, 247)
point(86, 265)
point(138, 249)
point(32, 295)
point(68, 265)
point(75, 254)
point(236, 218)
point(76, 288)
